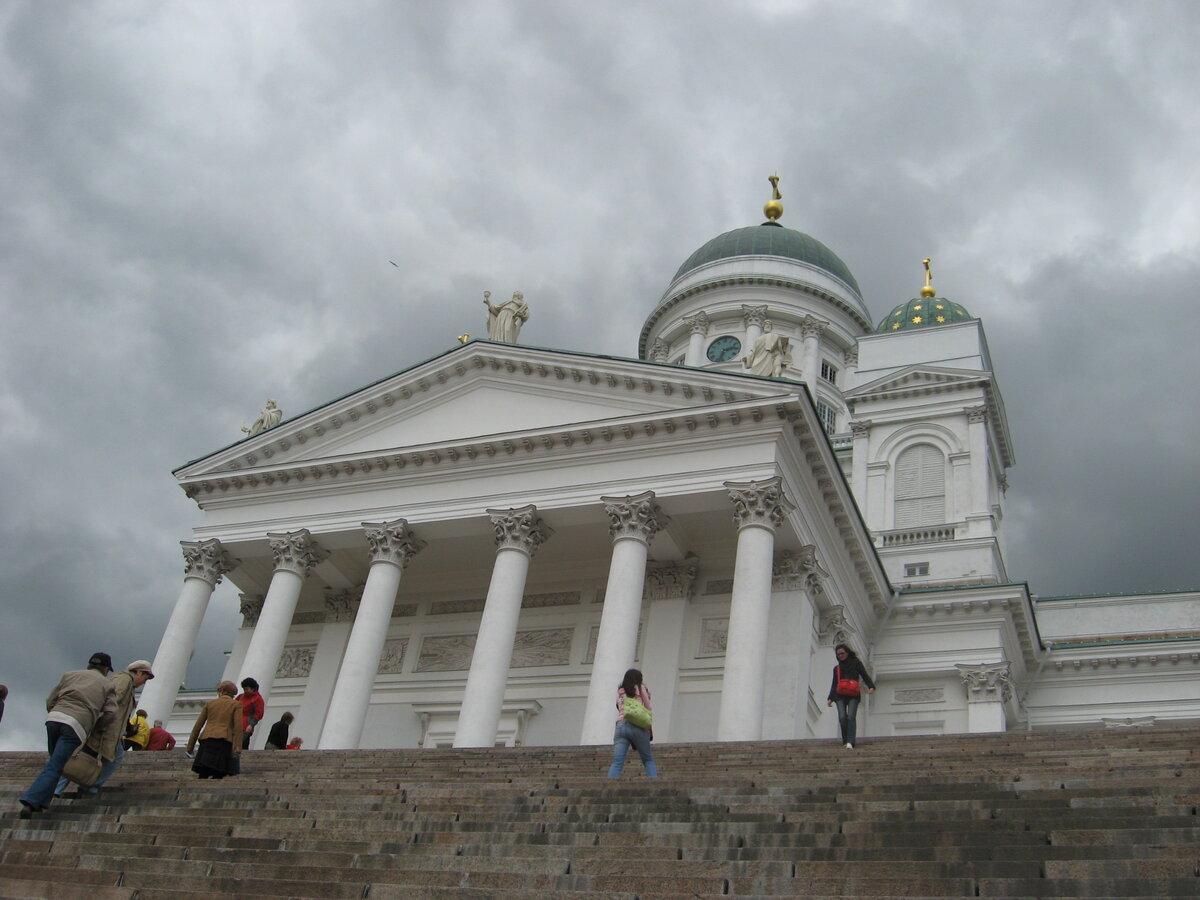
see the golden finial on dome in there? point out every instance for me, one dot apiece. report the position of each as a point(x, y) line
point(928, 290)
point(773, 209)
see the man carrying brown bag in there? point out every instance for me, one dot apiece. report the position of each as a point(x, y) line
point(82, 701)
point(105, 740)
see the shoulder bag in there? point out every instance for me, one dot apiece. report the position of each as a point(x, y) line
point(636, 713)
point(83, 767)
point(847, 687)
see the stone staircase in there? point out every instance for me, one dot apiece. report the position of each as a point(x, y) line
point(1090, 814)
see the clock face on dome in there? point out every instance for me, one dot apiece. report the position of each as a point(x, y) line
point(724, 349)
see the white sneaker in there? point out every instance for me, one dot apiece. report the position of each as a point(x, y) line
point(848, 746)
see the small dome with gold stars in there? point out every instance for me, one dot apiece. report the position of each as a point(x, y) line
point(925, 311)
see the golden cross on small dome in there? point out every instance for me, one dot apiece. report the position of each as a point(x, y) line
point(928, 290)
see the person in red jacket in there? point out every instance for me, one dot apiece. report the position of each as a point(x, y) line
point(253, 709)
point(160, 738)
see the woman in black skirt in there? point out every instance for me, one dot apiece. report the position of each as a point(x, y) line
point(219, 730)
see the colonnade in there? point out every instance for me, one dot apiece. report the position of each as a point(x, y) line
point(759, 508)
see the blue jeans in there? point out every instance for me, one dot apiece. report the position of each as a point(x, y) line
point(847, 708)
point(625, 735)
point(106, 772)
point(61, 741)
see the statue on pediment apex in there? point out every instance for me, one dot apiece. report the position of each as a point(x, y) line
point(504, 321)
point(268, 418)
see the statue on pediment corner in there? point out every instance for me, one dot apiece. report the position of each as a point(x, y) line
point(268, 418)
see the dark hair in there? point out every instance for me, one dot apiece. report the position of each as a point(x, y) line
point(287, 717)
point(3, 691)
point(249, 684)
point(850, 654)
point(100, 660)
point(631, 682)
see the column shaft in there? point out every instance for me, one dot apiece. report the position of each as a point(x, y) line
point(348, 706)
point(740, 716)
point(617, 642)
point(270, 634)
point(175, 648)
point(479, 718)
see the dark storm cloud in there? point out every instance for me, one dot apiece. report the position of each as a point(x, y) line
point(201, 200)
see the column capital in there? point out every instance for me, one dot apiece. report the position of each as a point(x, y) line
point(342, 606)
point(658, 350)
point(799, 570)
point(811, 326)
point(207, 560)
point(295, 551)
point(634, 516)
point(977, 414)
point(519, 529)
point(250, 606)
point(758, 502)
point(754, 315)
point(671, 581)
point(860, 427)
point(834, 627)
point(987, 681)
point(392, 542)
point(697, 324)
point(850, 354)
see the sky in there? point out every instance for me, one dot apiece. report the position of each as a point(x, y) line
point(202, 202)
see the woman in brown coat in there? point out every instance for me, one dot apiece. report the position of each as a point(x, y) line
point(219, 730)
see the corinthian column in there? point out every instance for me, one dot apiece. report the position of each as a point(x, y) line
point(204, 562)
point(989, 688)
point(754, 318)
point(296, 553)
point(697, 330)
point(392, 546)
point(811, 330)
point(634, 521)
point(759, 507)
point(519, 532)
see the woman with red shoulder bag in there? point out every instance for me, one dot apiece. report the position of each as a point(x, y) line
point(846, 691)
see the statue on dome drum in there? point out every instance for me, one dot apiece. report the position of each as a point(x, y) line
point(770, 355)
point(504, 321)
point(268, 418)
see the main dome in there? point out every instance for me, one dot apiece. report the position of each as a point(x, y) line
point(770, 239)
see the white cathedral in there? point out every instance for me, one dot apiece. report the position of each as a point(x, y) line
point(471, 552)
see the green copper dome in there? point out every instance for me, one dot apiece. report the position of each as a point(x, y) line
point(922, 312)
point(770, 239)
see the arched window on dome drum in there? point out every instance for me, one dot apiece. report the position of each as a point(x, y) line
point(920, 487)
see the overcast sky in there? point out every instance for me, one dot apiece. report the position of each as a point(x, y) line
point(201, 200)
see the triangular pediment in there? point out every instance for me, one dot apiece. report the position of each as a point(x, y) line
point(918, 379)
point(478, 390)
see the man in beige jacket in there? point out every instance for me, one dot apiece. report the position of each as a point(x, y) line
point(81, 702)
point(106, 741)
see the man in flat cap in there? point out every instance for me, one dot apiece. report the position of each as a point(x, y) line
point(82, 702)
point(106, 741)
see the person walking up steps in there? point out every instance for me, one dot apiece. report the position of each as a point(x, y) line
point(628, 733)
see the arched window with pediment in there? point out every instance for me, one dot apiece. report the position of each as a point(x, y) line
point(920, 487)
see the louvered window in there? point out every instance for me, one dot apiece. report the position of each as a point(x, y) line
point(920, 487)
